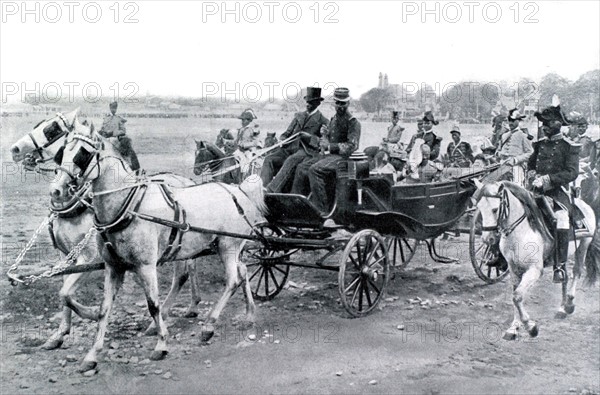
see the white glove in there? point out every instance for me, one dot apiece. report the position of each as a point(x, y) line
point(538, 183)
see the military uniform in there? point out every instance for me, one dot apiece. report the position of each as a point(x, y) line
point(461, 154)
point(343, 135)
point(516, 146)
point(557, 159)
point(114, 126)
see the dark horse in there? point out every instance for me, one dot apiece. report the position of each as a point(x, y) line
point(210, 159)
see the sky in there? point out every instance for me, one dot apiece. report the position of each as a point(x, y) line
point(193, 48)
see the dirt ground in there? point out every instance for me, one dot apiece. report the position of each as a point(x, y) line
point(439, 330)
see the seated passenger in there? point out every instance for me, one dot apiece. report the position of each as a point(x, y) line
point(426, 170)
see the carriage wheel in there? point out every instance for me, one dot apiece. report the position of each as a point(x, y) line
point(364, 272)
point(485, 259)
point(266, 272)
point(401, 250)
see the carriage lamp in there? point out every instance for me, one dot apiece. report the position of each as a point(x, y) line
point(358, 170)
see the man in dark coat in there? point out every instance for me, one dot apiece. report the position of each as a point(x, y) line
point(553, 164)
point(277, 172)
point(340, 140)
point(113, 126)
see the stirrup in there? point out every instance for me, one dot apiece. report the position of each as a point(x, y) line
point(559, 275)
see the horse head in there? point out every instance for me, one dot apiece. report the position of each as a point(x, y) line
point(206, 157)
point(44, 141)
point(80, 161)
point(488, 198)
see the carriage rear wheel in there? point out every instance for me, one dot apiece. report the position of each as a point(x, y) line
point(364, 272)
point(489, 265)
point(401, 250)
point(267, 271)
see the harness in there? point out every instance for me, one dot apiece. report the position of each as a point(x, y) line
point(73, 208)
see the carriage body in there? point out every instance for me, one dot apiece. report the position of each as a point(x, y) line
point(417, 211)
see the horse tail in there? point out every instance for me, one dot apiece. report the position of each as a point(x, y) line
point(252, 186)
point(592, 260)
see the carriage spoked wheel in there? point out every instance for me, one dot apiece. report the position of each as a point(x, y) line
point(401, 250)
point(486, 260)
point(364, 272)
point(267, 271)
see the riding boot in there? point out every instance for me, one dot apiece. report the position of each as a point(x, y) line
point(562, 253)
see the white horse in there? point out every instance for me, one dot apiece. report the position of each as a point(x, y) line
point(525, 243)
point(131, 241)
point(40, 147)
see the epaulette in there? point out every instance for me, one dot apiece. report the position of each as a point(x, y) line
point(571, 142)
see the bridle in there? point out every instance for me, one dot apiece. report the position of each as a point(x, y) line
point(85, 169)
point(503, 213)
point(39, 149)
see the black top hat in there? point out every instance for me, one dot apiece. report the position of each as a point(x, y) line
point(515, 115)
point(395, 114)
point(113, 104)
point(313, 94)
point(428, 117)
point(550, 115)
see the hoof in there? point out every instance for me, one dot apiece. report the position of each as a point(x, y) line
point(560, 315)
point(570, 308)
point(509, 336)
point(52, 344)
point(87, 366)
point(158, 355)
point(533, 331)
point(151, 331)
point(191, 314)
point(206, 335)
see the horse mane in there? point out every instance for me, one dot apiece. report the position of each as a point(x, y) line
point(532, 212)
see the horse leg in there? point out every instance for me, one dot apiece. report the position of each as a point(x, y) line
point(580, 256)
point(194, 272)
point(529, 278)
point(149, 280)
point(229, 251)
point(243, 277)
point(69, 287)
point(113, 279)
point(512, 332)
point(180, 276)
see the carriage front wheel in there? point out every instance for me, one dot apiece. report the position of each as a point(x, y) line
point(267, 268)
point(489, 265)
point(364, 272)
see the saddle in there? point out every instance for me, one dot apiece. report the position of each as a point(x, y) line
point(547, 206)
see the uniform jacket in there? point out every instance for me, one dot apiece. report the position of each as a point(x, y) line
point(303, 122)
point(247, 137)
point(343, 134)
point(556, 157)
point(515, 144)
point(460, 154)
point(113, 126)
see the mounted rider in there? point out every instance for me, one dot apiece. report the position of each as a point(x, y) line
point(246, 141)
point(515, 147)
point(113, 128)
point(280, 166)
point(577, 133)
point(553, 164)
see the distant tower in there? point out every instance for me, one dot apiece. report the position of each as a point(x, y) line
point(385, 82)
point(380, 84)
